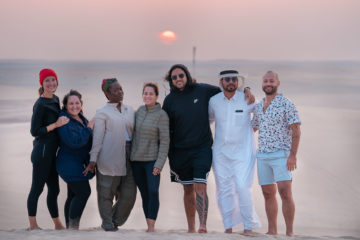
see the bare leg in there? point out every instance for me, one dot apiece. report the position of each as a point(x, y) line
point(190, 209)
point(33, 223)
point(150, 224)
point(271, 207)
point(202, 205)
point(58, 224)
point(229, 230)
point(288, 205)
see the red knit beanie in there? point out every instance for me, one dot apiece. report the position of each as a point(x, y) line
point(47, 72)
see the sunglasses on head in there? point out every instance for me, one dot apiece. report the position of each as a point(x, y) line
point(174, 77)
point(228, 79)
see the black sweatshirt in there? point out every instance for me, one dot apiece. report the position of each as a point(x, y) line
point(45, 112)
point(189, 116)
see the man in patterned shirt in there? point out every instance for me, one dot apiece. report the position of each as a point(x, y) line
point(278, 123)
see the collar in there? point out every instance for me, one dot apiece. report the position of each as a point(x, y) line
point(154, 108)
point(114, 105)
point(65, 113)
point(235, 96)
point(279, 95)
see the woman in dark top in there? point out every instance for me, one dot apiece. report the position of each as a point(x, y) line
point(44, 120)
point(73, 157)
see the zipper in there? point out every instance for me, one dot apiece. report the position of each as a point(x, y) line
point(43, 154)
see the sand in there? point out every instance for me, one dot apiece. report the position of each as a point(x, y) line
point(325, 196)
point(96, 234)
point(326, 184)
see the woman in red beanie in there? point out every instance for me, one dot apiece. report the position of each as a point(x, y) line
point(44, 121)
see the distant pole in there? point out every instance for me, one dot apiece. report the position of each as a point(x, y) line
point(193, 61)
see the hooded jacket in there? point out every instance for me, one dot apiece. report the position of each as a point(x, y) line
point(189, 116)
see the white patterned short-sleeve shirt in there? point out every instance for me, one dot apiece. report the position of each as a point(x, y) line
point(273, 125)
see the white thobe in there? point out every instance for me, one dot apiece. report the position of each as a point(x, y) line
point(234, 159)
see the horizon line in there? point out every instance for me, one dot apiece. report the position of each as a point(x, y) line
point(178, 60)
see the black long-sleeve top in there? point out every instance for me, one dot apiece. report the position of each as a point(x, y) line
point(189, 116)
point(45, 112)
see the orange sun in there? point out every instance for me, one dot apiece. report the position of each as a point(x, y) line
point(167, 37)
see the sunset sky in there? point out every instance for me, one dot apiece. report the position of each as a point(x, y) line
point(220, 29)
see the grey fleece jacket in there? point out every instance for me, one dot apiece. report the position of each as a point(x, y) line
point(151, 136)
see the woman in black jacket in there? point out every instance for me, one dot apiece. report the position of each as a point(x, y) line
point(44, 120)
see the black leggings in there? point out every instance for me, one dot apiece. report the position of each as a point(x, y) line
point(78, 194)
point(148, 185)
point(43, 158)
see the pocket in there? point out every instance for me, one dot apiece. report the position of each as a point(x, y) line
point(104, 181)
point(238, 119)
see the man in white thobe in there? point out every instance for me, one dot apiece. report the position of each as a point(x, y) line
point(233, 153)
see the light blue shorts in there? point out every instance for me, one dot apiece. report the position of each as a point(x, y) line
point(272, 167)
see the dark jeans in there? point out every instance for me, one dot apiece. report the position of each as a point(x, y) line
point(78, 194)
point(43, 158)
point(148, 185)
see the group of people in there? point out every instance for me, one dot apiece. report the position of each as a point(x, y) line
point(127, 149)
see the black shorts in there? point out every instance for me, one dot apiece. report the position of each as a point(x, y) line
point(188, 166)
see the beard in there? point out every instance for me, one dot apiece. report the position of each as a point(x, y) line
point(271, 91)
point(230, 88)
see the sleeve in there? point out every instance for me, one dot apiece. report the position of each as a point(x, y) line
point(74, 137)
point(167, 109)
point(291, 114)
point(98, 135)
point(255, 120)
point(37, 128)
point(213, 90)
point(165, 106)
point(211, 111)
point(164, 140)
point(133, 139)
point(130, 121)
point(252, 107)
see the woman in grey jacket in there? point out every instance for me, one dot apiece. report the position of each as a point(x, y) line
point(149, 151)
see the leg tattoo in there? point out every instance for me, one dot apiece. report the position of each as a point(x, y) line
point(202, 205)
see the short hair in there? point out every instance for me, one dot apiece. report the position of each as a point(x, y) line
point(66, 98)
point(153, 85)
point(272, 72)
point(105, 84)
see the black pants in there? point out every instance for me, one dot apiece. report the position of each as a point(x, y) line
point(78, 194)
point(148, 185)
point(43, 158)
